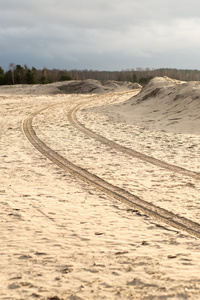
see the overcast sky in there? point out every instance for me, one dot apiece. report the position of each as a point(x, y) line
point(100, 34)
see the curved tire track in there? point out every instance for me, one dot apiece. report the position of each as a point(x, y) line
point(160, 214)
point(73, 120)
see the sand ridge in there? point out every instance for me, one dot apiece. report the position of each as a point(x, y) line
point(163, 105)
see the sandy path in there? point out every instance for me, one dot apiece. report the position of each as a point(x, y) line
point(61, 237)
point(138, 204)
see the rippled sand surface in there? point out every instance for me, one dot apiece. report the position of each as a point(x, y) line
point(63, 239)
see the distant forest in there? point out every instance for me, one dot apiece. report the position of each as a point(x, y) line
point(18, 74)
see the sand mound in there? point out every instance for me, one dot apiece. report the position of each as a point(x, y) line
point(82, 87)
point(88, 86)
point(164, 104)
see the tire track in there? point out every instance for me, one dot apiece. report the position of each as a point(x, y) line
point(176, 169)
point(138, 204)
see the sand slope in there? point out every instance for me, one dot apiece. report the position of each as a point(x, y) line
point(164, 104)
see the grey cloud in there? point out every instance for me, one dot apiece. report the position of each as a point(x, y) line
point(52, 32)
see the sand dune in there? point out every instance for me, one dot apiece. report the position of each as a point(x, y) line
point(96, 87)
point(69, 87)
point(163, 105)
point(64, 239)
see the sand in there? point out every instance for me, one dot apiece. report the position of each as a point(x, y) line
point(163, 105)
point(64, 239)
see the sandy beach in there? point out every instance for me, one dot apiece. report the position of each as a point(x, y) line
point(62, 238)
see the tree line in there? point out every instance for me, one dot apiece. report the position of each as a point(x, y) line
point(18, 74)
point(138, 75)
